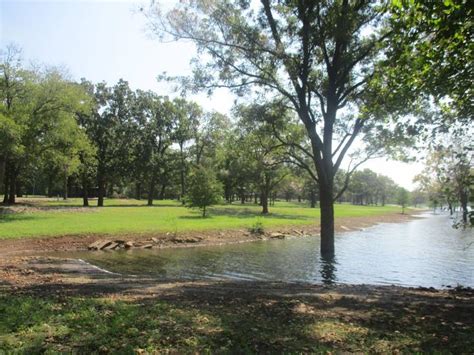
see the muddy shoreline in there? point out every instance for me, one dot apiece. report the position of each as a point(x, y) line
point(30, 261)
point(39, 245)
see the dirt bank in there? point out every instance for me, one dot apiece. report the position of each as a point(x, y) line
point(23, 261)
point(35, 245)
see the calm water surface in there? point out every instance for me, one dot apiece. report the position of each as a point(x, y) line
point(423, 252)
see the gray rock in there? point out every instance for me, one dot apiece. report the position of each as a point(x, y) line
point(277, 235)
point(111, 246)
point(100, 244)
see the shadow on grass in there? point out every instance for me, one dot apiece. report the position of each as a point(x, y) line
point(231, 317)
point(17, 217)
point(246, 213)
point(154, 205)
point(94, 205)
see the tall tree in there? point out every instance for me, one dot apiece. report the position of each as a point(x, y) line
point(12, 89)
point(157, 136)
point(448, 175)
point(403, 198)
point(109, 127)
point(264, 156)
point(35, 106)
point(187, 119)
point(319, 55)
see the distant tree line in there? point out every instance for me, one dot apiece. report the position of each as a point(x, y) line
point(62, 138)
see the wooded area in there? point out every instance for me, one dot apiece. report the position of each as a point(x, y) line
point(318, 77)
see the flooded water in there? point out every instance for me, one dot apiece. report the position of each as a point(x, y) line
point(424, 252)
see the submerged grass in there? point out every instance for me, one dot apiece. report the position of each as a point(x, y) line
point(53, 218)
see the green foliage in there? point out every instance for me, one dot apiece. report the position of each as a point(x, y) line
point(204, 189)
point(432, 51)
point(403, 198)
point(316, 58)
point(37, 120)
point(367, 187)
point(122, 217)
point(447, 177)
point(257, 228)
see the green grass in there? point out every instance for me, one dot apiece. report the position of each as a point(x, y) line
point(227, 324)
point(132, 216)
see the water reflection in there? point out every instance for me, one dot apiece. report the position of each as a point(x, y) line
point(328, 269)
point(425, 252)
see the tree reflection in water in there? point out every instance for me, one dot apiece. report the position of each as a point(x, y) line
point(328, 269)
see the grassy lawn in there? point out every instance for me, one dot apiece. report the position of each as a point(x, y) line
point(132, 216)
point(228, 324)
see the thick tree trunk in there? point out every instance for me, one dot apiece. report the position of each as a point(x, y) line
point(6, 185)
point(183, 187)
point(101, 191)
point(3, 163)
point(327, 219)
point(228, 193)
point(151, 190)
point(463, 199)
point(162, 191)
point(110, 186)
point(65, 186)
point(85, 196)
point(85, 192)
point(138, 191)
point(18, 190)
point(12, 192)
point(312, 199)
point(450, 207)
point(264, 202)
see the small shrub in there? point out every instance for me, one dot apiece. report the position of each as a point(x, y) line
point(257, 228)
point(204, 190)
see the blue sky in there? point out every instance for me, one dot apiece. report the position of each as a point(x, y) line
point(106, 40)
point(98, 40)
